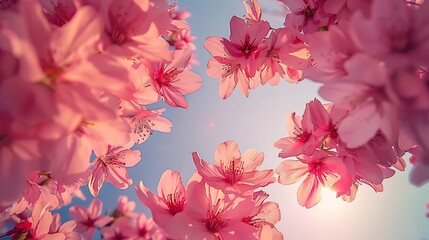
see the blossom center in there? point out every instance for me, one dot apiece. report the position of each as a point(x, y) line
point(233, 171)
point(214, 221)
point(175, 203)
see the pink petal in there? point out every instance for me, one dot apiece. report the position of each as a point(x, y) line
point(97, 178)
point(310, 192)
point(360, 125)
point(226, 152)
point(291, 171)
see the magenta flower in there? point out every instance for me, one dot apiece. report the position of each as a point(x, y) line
point(246, 44)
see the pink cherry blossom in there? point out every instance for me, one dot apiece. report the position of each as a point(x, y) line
point(245, 44)
point(392, 32)
point(41, 220)
point(374, 103)
point(147, 229)
point(143, 122)
point(225, 68)
point(65, 228)
point(173, 81)
point(308, 132)
point(213, 215)
point(88, 219)
point(120, 229)
point(134, 28)
point(233, 172)
point(320, 170)
point(330, 50)
point(110, 166)
point(138, 89)
point(170, 199)
point(125, 208)
point(264, 217)
point(286, 57)
point(306, 15)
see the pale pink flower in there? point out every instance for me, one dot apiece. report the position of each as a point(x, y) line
point(147, 229)
point(41, 220)
point(172, 81)
point(124, 208)
point(374, 105)
point(246, 44)
point(120, 229)
point(66, 228)
point(40, 189)
point(138, 89)
point(306, 15)
point(110, 166)
point(170, 199)
point(233, 172)
point(308, 132)
point(213, 215)
point(182, 39)
point(393, 33)
point(320, 170)
point(358, 181)
point(134, 28)
point(88, 219)
point(225, 68)
point(264, 216)
point(330, 50)
point(143, 122)
point(284, 58)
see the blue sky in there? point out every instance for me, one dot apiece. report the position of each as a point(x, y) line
point(257, 122)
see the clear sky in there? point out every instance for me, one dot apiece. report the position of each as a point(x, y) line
point(257, 122)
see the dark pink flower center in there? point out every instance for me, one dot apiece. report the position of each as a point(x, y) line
point(247, 48)
point(302, 137)
point(233, 171)
point(175, 203)
point(307, 11)
point(316, 168)
point(214, 221)
point(118, 36)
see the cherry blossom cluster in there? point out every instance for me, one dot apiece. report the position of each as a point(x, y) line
point(371, 59)
point(76, 79)
point(220, 201)
point(255, 54)
point(325, 161)
point(121, 223)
